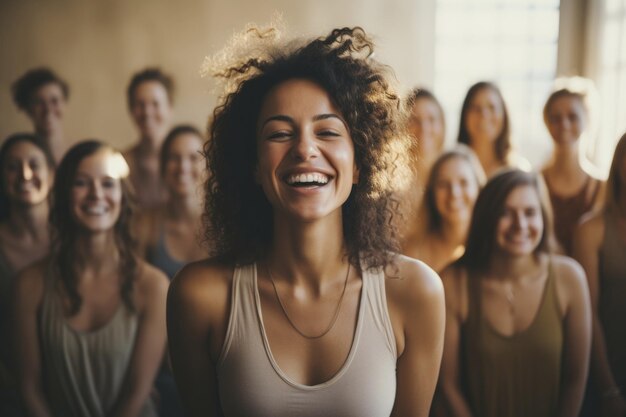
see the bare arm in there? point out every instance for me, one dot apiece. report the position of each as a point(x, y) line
point(587, 242)
point(577, 336)
point(416, 304)
point(197, 306)
point(149, 343)
point(450, 380)
point(28, 297)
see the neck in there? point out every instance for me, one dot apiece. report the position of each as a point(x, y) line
point(507, 267)
point(29, 221)
point(54, 139)
point(187, 207)
point(149, 145)
point(454, 233)
point(96, 250)
point(308, 254)
point(486, 154)
point(565, 159)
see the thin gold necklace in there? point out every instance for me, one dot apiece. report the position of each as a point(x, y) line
point(332, 321)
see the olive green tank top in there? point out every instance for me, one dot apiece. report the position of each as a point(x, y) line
point(513, 376)
point(83, 372)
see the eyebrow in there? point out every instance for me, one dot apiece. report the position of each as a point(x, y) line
point(316, 118)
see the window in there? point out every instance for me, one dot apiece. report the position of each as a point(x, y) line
point(510, 42)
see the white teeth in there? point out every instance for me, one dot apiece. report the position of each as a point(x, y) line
point(97, 211)
point(314, 177)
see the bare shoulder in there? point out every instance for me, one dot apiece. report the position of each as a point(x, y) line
point(150, 284)
point(591, 228)
point(454, 279)
point(29, 284)
point(411, 281)
point(202, 286)
point(567, 270)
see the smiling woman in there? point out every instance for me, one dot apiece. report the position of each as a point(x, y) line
point(90, 329)
point(305, 300)
point(518, 326)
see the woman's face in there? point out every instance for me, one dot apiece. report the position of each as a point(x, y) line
point(184, 169)
point(97, 191)
point(520, 225)
point(47, 108)
point(26, 174)
point(151, 109)
point(426, 124)
point(306, 160)
point(455, 191)
point(484, 118)
point(566, 119)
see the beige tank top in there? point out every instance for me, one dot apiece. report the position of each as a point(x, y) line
point(250, 383)
point(83, 372)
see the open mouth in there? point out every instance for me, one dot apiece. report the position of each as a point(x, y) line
point(314, 179)
point(95, 210)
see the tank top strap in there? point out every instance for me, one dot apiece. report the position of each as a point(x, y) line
point(551, 296)
point(376, 298)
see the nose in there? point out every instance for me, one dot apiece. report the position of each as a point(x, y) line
point(27, 172)
point(304, 146)
point(455, 190)
point(520, 221)
point(95, 190)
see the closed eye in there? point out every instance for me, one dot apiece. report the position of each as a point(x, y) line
point(280, 135)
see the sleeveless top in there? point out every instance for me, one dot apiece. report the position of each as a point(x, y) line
point(513, 376)
point(612, 305)
point(83, 372)
point(250, 383)
point(568, 210)
point(161, 258)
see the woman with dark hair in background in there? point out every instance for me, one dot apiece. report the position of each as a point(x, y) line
point(169, 235)
point(486, 128)
point(518, 327)
point(573, 192)
point(455, 179)
point(427, 126)
point(305, 309)
point(43, 95)
point(150, 96)
point(26, 177)
point(90, 319)
point(600, 246)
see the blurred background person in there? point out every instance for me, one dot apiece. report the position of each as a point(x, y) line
point(573, 192)
point(600, 247)
point(150, 97)
point(426, 124)
point(90, 319)
point(518, 327)
point(451, 190)
point(43, 95)
point(169, 235)
point(486, 128)
point(27, 173)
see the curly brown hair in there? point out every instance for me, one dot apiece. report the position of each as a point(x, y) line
point(238, 216)
point(65, 231)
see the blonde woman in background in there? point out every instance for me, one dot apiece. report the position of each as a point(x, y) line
point(451, 190)
point(573, 192)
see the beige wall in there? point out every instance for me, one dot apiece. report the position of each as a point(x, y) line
point(97, 44)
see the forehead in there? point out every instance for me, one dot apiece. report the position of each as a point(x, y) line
point(150, 89)
point(523, 196)
point(569, 101)
point(485, 94)
point(426, 105)
point(49, 88)
point(298, 97)
point(103, 163)
point(455, 165)
point(25, 149)
point(185, 140)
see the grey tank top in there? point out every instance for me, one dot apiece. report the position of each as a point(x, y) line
point(83, 372)
point(250, 383)
point(161, 258)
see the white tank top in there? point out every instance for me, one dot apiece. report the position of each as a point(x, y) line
point(250, 383)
